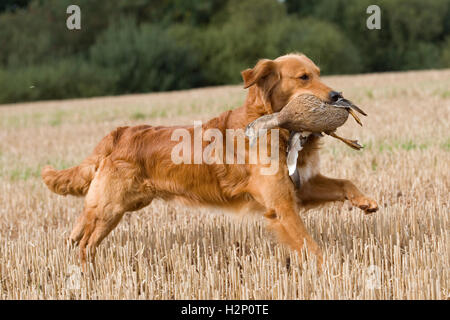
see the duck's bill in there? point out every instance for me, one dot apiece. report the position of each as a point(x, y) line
point(358, 109)
point(342, 102)
point(355, 116)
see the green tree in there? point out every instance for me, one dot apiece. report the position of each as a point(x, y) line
point(322, 41)
point(238, 38)
point(445, 55)
point(406, 26)
point(145, 58)
point(13, 4)
point(301, 8)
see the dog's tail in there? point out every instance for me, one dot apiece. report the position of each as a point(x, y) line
point(76, 180)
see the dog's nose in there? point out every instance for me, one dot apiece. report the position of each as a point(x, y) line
point(334, 96)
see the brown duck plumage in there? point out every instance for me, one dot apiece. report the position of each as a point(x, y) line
point(307, 113)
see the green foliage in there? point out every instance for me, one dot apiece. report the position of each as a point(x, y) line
point(228, 49)
point(63, 79)
point(151, 45)
point(167, 12)
point(125, 59)
point(145, 58)
point(238, 39)
point(421, 55)
point(409, 36)
point(12, 5)
point(302, 8)
point(21, 45)
point(321, 41)
point(38, 34)
point(445, 59)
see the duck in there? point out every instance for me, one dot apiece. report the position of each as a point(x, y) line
point(308, 114)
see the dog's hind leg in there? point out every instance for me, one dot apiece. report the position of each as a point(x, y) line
point(113, 192)
point(78, 230)
point(100, 223)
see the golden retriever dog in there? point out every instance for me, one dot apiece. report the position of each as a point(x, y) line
point(131, 166)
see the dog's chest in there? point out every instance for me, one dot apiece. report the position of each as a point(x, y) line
point(302, 160)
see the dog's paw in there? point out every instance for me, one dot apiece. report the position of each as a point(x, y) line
point(366, 204)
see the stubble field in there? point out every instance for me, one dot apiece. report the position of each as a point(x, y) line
point(168, 251)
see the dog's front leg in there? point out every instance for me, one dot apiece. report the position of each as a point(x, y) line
point(320, 189)
point(277, 194)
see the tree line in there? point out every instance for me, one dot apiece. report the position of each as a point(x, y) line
point(128, 46)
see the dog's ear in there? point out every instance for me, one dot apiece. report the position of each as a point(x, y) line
point(262, 69)
point(265, 76)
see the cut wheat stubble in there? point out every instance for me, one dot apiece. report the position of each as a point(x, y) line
point(167, 251)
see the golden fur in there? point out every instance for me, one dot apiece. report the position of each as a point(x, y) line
point(132, 165)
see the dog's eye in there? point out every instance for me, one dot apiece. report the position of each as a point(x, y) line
point(304, 77)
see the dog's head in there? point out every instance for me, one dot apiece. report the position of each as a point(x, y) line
point(278, 81)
